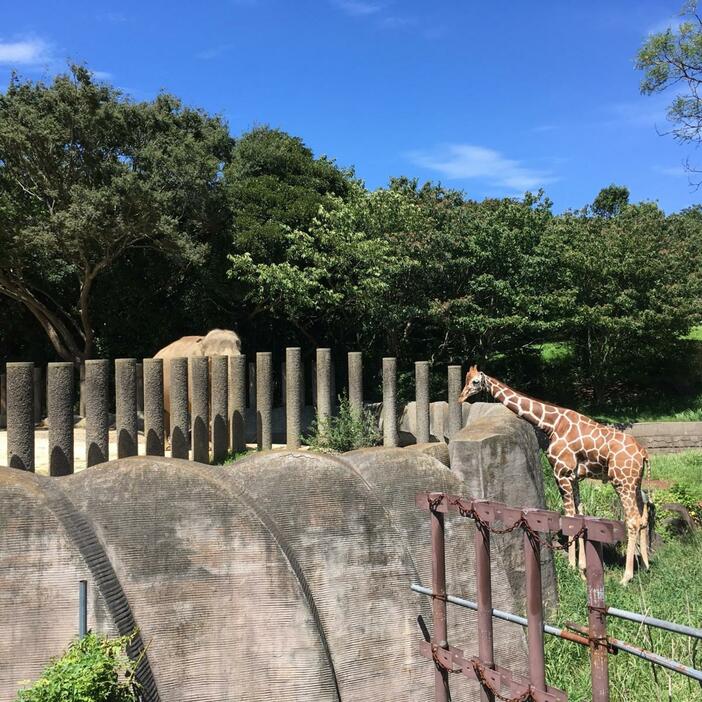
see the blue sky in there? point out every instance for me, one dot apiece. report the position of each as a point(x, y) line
point(491, 98)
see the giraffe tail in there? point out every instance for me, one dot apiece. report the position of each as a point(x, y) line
point(647, 466)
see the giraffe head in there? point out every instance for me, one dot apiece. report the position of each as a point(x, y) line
point(475, 383)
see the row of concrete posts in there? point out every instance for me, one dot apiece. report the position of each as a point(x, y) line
point(207, 406)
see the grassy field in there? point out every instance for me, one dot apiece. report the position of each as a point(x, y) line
point(671, 589)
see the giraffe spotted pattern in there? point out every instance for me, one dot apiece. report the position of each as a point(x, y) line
point(580, 447)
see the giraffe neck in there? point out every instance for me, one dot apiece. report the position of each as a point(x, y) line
point(537, 413)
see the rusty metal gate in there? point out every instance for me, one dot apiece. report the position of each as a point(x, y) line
point(539, 528)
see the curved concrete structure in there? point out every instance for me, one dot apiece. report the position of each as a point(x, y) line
point(283, 577)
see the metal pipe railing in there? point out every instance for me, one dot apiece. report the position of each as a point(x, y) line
point(652, 621)
point(569, 636)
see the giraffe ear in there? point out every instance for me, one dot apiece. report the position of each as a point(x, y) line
point(474, 368)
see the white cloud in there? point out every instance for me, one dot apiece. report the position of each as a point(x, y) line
point(467, 161)
point(673, 171)
point(102, 75)
point(358, 8)
point(27, 52)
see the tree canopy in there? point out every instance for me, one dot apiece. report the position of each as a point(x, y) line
point(125, 224)
point(87, 175)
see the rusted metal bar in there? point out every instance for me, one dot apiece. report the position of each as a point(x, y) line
point(649, 656)
point(597, 620)
point(652, 621)
point(484, 585)
point(607, 531)
point(497, 679)
point(438, 577)
point(535, 612)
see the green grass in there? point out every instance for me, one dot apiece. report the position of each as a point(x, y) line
point(695, 334)
point(235, 456)
point(671, 589)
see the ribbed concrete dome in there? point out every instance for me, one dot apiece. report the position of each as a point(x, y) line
point(283, 577)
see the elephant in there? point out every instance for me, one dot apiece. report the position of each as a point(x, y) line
point(218, 342)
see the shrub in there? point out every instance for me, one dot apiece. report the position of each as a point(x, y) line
point(348, 430)
point(93, 669)
point(675, 494)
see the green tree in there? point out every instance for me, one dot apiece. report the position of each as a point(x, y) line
point(88, 176)
point(610, 201)
point(274, 183)
point(673, 58)
point(627, 288)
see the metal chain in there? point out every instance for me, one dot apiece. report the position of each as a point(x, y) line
point(470, 513)
point(479, 669)
point(439, 664)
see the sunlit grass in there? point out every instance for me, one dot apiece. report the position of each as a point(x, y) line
point(671, 589)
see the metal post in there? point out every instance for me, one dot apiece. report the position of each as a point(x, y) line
point(422, 421)
point(390, 437)
point(597, 621)
point(455, 417)
point(535, 613)
point(355, 360)
point(95, 388)
point(82, 608)
point(294, 394)
point(200, 400)
point(20, 416)
point(237, 402)
point(220, 394)
point(152, 389)
point(438, 580)
point(264, 400)
point(60, 411)
point(483, 577)
point(125, 391)
point(180, 432)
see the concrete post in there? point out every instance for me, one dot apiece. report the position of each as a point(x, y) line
point(20, 416)
point(140, 386)
point(264, 400)
point(154, 429)
point(82, 398)
point(200, 395)
point(455, 419)
point(38, 394)
point(126, 405)
point(390, 437)
point(294, 395)
point(60, 413)
point(237, 402)
point(324, 386)
point(421, 374)
point(356, 381)
point(3, 400)
point(252, 386)
point(180, 432)
point(96, 400)
point(220, 396)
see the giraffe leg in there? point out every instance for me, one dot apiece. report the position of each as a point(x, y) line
point(627, 496)
point(581, 540)
point(643, 533)
point(567, 490)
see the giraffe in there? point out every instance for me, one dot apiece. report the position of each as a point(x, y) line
point(581, 448)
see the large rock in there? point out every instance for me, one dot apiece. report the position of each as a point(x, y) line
point(497, 458)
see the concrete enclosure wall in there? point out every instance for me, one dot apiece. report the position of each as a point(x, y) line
point(285, 577)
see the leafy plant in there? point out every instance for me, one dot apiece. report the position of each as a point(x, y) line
point(95, 668)
point(348, 430)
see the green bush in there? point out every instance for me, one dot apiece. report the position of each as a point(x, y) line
point(348, 430)
point(93, 669)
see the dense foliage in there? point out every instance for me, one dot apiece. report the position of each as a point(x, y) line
point(93, 669)
point(126, 224)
